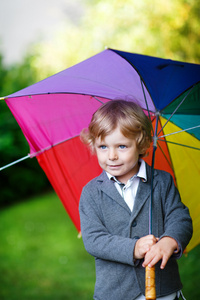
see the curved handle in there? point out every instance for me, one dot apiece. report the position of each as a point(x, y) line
point(150, 284)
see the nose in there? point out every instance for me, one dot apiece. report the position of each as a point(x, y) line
point(112, 155)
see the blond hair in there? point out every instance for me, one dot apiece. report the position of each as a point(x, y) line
point(130, 118)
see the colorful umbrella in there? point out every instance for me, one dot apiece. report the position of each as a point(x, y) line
point(52, 112)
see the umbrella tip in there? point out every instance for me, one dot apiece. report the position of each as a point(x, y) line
point(79, 235)
point(106, 47)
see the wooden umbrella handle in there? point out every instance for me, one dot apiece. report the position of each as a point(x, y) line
point(150, 284)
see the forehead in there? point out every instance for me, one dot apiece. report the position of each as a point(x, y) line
point(116, 136)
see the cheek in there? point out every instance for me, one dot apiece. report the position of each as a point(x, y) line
point(101, 162)
point(131, 157)
point(100, 157)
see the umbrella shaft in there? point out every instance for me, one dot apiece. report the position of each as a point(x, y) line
point(152, 173)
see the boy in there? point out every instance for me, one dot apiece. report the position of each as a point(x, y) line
point(114, 209)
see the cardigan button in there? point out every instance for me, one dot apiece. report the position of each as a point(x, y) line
point(134, 223)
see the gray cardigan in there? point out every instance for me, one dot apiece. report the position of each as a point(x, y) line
point(110, 231)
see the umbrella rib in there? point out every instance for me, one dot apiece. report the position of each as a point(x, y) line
point(176, 109)
point(35, 153)
point(183, 130)
point(146, 103)
point(51, 146)
point(168, 161)
point(97, 99)
point(15, 162)
point(195, 148)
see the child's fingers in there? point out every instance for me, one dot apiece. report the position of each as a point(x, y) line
point(148, 240)
point(143, 245)
point(150, 259)
point(164, 262)
point(160, 251)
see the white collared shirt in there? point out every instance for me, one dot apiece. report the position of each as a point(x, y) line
point(129, 190)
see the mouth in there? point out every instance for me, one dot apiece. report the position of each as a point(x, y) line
point(114, 166)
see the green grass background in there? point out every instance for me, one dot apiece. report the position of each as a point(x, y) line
point(42, 258)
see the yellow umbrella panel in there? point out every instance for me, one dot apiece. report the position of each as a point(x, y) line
point(184, 150)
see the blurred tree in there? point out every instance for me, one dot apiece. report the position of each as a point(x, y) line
point(27, 178)
point(168, 29)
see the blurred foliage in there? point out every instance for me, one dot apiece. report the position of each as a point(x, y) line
point(41, 257)
point(26, 178)
point(167, 29)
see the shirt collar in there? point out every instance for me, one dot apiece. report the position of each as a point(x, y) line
point(141, 173)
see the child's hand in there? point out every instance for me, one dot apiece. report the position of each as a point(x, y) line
point(143, 245)
point(162, 250)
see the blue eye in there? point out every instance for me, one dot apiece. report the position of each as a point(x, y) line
point(122, 146)
point(102, 147)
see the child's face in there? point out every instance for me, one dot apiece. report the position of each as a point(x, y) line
point(118, 155)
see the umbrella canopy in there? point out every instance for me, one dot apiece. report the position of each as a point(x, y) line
point(52, 112)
